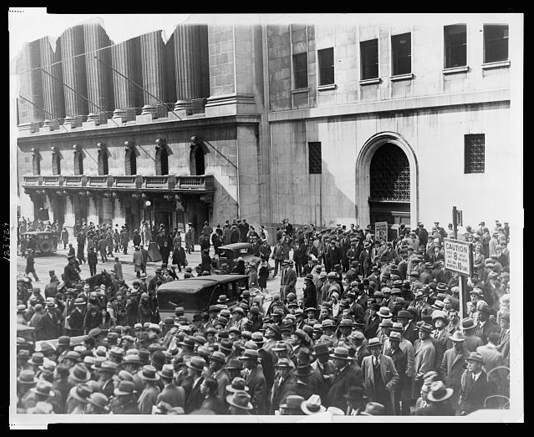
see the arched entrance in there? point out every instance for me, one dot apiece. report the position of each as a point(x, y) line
point(386, 176)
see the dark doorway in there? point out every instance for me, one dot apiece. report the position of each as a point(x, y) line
point(162, 162)
point(198, 166)
point(390, 186)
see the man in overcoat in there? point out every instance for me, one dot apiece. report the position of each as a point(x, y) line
point(424, 357)
point(347, 374)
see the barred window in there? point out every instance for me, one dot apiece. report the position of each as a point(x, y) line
point(300, 70)
point(495, 42)
point(326, 66)
point(315, 160)
point(390, 175)
point(475, 153)
point(401, 47)
point(369, 59)
point(455, 45)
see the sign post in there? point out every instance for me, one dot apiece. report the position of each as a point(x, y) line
point(459, 258)
point(381, 231)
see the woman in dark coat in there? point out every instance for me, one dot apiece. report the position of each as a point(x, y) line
point(92, 319)
point(263, 274)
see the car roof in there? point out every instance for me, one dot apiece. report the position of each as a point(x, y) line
point(192, 285)
point(234, 246)
point(37, 232)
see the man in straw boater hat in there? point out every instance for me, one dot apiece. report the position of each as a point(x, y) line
point(380, 376)
point(475, 387)
point(453, 365)
point(347, 374)
point(438, 400)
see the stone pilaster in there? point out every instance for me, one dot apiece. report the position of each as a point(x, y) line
point(126, 60)
point(53, 98)
point(153, 68)
point(30, 84)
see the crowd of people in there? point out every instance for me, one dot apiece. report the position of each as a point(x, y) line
point(378, 328)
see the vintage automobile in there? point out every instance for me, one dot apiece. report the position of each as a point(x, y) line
point(196, 294)
point(229, 253)
point(44, 241)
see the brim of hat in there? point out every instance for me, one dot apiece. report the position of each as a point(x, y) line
point(449, 393)
point(50, 394)
point(105, 407)
point(79, 398)
point(305, 409)
point(19, 381)
point(193, 367)
point(475, 359)
point(341, 358)
point(233, 390)
point(118, 392)
point(81, 380)
point(146, 378)
point(246, 407)
point(34, 363)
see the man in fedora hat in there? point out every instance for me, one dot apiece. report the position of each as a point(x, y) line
point(323, 368)
point(105, 377)
point(400, 357)
point(292, 406)
point(255, 380)
point(191, 384)
point(440, 336)
point(313, 405)
point(424, 357)
point(125, 399)
point(42, 394)
point(380, 376)
point(472, 341)
point(475, 387)
point(347, 373)
point(25, 381)
point(148, 397)
point(453, 365)
point(217, 361)
point(171, 393)
point(239, 403)
point(439, 401)
point(485, 324)
point(284, 383)
point(356, 400)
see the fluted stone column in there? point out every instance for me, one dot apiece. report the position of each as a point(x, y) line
point(74, 72)
point(188, 65)
point(153, 68)
point(30, 84)
point(99, 82)
point(53, 98)
point(126, 60)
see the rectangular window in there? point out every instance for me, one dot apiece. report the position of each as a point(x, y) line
point(369, 59)
point(455, 45)
point(495, 42)
point(300, 70)
point(326, 66)
point(401, 48)
point(315, 159)
point(475, 153)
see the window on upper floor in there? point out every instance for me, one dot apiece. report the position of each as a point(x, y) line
point(300, 70)
point(130, 161)
point(475, 153)
point(369, 59)
point(315, 159)
point(162, 161)
point(455, 38)
point(36, 163)
point(103, 168)
point(495, 42)
point(78, 163)
point(401, 53)
point(326, 66)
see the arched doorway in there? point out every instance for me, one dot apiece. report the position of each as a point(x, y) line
point(386, 177)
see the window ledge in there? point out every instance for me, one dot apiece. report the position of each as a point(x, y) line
point(499, 64)
point(407, 76)
point(453, 70)
point(328, 87)
point(370, 81)
point(300, 90)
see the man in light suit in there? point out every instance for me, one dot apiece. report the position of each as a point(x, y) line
point(493, 359)
point(453, 366)
point(504, 340)
point(380, 376)
point(424, 357)
point(440, 335)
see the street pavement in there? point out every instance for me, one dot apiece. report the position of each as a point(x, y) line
point(58, 260)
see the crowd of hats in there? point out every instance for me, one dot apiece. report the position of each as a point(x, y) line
point(157, 352)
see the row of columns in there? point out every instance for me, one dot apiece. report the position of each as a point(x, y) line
point(175, 72)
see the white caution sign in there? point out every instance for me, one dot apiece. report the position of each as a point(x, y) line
point(458, 256)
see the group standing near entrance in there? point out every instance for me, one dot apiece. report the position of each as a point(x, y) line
point(376, 329)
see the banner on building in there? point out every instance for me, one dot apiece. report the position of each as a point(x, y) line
point(381, 231)
point(458, 256)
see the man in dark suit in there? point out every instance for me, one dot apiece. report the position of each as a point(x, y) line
point(485, 325)
point(409, 330)
point(323, 369)
point(284, 384)
point(453, 365)
point(372, 321)
point(288, 281)
point(192, 383)
point(171, 394)
point(475, 387)
point(347, 374)
point(255, 381)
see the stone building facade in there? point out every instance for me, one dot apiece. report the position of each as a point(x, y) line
point(355, 121)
